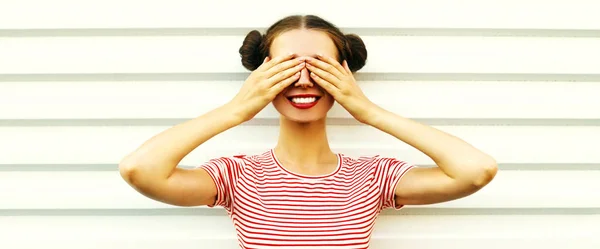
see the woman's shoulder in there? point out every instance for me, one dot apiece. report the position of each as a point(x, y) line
point(358, 158)
point(256, 158)
point(366, 160)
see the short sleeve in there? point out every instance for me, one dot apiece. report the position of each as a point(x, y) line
point(389, 171)
point(224, 171)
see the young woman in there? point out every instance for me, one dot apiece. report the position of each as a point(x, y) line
point(300, 193)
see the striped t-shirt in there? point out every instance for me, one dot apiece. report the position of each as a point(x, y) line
point(272, 207)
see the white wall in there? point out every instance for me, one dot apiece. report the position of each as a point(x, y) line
point(82, 83)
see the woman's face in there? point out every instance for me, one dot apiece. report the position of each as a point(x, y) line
point(304, 101)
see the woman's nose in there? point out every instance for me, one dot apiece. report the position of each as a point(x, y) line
point(304, 80)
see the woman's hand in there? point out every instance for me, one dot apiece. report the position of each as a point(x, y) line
point(338, 81)
point(264, 83)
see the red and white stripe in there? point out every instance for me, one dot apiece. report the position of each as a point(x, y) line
point(272, 207)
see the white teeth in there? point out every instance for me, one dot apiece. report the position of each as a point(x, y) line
point(304, 100)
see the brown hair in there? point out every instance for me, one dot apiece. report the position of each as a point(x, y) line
point(255, 47)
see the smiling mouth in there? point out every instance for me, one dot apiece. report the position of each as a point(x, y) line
point(303, 102)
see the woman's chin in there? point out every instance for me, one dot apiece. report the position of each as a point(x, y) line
point(301, 114)
point(304, 118)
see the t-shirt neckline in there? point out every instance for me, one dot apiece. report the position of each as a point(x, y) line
point(279, 165)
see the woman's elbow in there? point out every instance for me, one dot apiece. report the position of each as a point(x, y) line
point(140, 179)
point(133, 171)
point(128, 172)
point(485, 173)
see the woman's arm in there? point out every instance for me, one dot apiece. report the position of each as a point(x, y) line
point(152, 168)
point(462, 169)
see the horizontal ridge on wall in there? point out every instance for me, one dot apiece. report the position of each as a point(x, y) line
point(272, 121)
point(243, 31)
point(91, 167)
point(107, 190)
point(489, 14)
point(387, 54)
point(469, 232)
point(437, 102)
point(108, 145)
point(205, 211)
point(239, 76)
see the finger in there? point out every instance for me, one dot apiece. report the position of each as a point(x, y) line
point(347, 67)
point(330, 88)
point(285, 74)
point(334, 62)
point(282, 67)
point(277, 88)
point(323, 74)
point(263, 64)
point(329, 64)
point(275, 61)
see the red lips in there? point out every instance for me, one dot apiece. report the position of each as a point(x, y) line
point(303, 105)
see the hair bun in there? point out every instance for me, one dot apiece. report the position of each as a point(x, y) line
point(356, 52)
point(250, 51)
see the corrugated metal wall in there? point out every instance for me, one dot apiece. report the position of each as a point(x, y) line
point(82, 83)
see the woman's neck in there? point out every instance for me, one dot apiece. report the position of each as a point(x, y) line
point(304, 144)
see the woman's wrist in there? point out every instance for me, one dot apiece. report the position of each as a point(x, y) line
point(231, 114)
